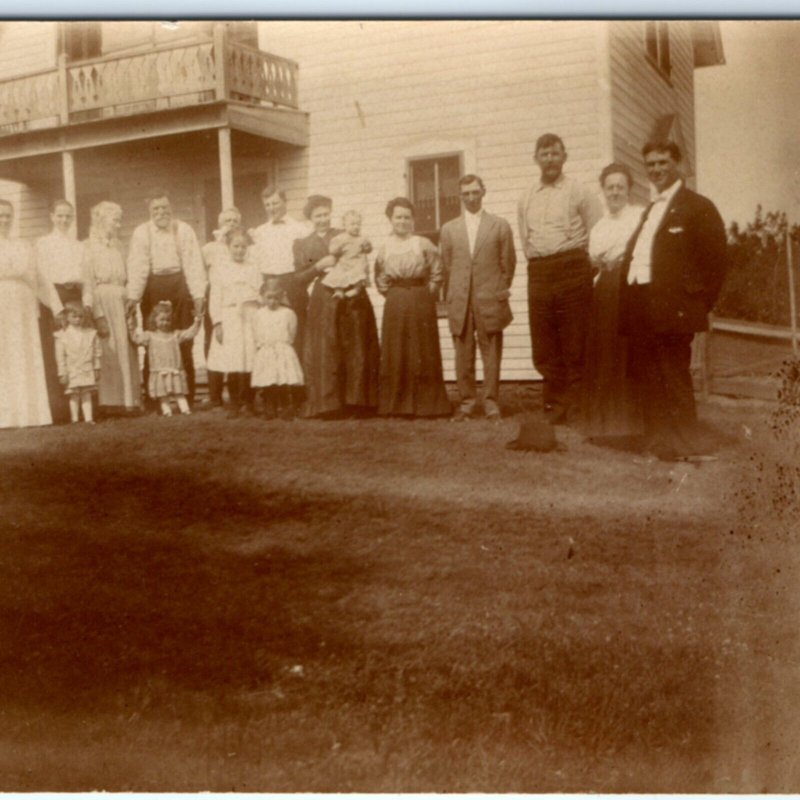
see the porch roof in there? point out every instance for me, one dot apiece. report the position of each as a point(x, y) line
point(283, 125)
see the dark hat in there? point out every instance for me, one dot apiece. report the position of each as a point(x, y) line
point(534, 435)
point(315, 201)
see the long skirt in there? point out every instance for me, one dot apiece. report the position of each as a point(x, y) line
point(411, 382)
point(23, 390)
point(610, 403)
point(120, 383)
point(341, 353)
point(59, 405)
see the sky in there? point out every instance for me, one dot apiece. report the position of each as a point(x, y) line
point(747, 118)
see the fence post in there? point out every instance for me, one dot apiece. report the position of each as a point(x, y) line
point(63, 90)
point(220, 62)
point(792, 295)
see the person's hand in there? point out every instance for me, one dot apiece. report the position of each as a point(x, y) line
point(366, 246)
point(218, 332)
point(103, 331)
point(130, 306)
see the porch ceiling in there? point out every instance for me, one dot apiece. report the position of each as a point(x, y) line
point(283, 125)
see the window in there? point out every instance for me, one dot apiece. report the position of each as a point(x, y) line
point(656, 45)
point(433, 189)
point(82, 40)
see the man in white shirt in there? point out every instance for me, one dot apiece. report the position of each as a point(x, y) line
point(272, 251)
point(479, 260)
point(672, 271)
point(165, 263)
point(555, 216)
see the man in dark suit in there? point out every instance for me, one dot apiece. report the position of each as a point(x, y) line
point(479, 260)
point(673, 270)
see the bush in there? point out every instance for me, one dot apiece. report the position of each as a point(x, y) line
point(756, 287)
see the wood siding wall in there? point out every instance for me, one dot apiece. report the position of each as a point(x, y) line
point(381, 92)
point(640, 94)
point(27, 47)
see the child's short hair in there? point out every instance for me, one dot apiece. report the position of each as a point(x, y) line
point(274, 286)
point(350, 215)
point(240, 232)
point(74, 305)
point(164, 307)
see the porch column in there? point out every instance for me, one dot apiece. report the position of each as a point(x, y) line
point(225, 166)
point(68, 176)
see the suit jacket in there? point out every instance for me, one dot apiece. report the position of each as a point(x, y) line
point(484, 276)
point(687, 267)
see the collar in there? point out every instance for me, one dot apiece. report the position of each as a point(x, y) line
point(667, 194)
point(557, 183)
point(171, 228)
point(474, 217)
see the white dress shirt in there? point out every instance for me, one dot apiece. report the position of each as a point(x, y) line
point(164, 252)
point(273, 240)
point(639, 271)
point(473, 222)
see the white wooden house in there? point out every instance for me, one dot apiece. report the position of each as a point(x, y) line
point(361, 111)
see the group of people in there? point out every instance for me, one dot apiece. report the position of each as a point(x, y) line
point(614, 299)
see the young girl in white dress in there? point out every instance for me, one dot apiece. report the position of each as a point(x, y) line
point(78, 354)
point(233, 299)
point(276, 368)
point(167, 380)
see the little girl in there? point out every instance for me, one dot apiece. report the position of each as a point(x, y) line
point(351, 273)
point(233, 299)
point(78, 353)
point(167, 380)
point(276, 368)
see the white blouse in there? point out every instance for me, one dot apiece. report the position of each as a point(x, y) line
point(609, 237)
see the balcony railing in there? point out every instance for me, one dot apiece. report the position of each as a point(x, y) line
point(160, 78)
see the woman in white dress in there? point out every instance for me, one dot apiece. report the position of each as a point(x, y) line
point(610, 407)
point(104, 277)
point(233, 299)
point(58, 259)
point(23, 391)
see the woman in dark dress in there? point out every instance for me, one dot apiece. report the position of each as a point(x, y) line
point(340, 351)
point(610, 405)
point(408, 272)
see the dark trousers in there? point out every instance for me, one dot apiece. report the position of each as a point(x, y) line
point(491, 347)
point(660, 368)
point(559, 300)
point(173, 288)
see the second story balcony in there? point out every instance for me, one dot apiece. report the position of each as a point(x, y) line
point(197, 72)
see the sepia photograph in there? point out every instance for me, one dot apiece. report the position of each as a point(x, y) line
point(400, 406)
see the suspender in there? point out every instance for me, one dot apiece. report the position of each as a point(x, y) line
point(173, 228)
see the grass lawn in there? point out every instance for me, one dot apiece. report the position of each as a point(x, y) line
point(198, 603)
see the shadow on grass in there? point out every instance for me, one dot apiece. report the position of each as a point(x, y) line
point(177, 575)
point(111, 581)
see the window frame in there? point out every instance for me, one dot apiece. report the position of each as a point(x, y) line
point(441, 307)
point(658, 48)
